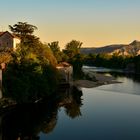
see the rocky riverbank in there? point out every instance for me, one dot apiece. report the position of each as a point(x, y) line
point(95, 80)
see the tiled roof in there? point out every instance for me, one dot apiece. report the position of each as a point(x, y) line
point(14, 36)
point(63, 64)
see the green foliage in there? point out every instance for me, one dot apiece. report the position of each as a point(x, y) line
point(29, 81)
point(45, 54)
point(5, 55)
point(39, 53)
point(103, 60)
point(77, 63)
point(23, 30)
point(73, 56)
point(31, 73)
point(131, 63)
point(117, 62)
point(72, 48)
point(136, 61)
point(54, 46)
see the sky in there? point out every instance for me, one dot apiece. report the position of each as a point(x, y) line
point(96, 23)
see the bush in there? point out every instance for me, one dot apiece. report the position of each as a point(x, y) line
point(29, 81)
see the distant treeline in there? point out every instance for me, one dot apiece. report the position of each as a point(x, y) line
point(127, 63)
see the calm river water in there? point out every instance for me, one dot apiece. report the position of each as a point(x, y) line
point(109, 112)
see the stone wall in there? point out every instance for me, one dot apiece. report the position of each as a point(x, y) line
point(66, 73)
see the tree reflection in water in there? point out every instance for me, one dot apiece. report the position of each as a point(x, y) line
point(25, 122)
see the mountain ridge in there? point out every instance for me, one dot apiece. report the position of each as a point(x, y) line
point(121, 49)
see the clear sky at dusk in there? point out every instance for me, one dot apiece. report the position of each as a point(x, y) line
point(93, 22)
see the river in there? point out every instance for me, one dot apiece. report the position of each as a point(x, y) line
point(108, 112)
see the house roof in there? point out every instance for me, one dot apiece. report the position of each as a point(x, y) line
point(14, 36)
point(1, 33)
point(63, 64)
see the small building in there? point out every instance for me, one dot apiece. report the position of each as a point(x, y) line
point(66, 72)
point(8, 40)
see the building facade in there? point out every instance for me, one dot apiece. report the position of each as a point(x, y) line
point(66, 72)
point(8, 40)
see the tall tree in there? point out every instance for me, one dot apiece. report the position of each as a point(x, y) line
point(73, 48)
point(54, 46)
point(23, 30)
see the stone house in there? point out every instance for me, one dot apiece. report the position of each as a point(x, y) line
point(66, 72)
point(8, 40)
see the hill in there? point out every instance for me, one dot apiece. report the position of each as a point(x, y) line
point(121, 49)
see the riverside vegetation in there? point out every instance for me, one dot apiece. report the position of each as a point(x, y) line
point(130, 64)
point(30, 72)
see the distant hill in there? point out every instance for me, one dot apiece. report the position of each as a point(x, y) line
point(121, 49)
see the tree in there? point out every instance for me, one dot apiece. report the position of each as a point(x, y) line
point(31, 73)
point(77, 63)
point(54, 46)
point(136, 61)
point(45, 53)
point(23, 30)
point(31, 47)
point(5, 55)
point(73, 48)
point(41, 53)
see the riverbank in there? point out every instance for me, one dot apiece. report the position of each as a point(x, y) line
point(99, 79)
point(90, 80)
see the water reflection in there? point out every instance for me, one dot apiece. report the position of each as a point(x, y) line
point(25, 122)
